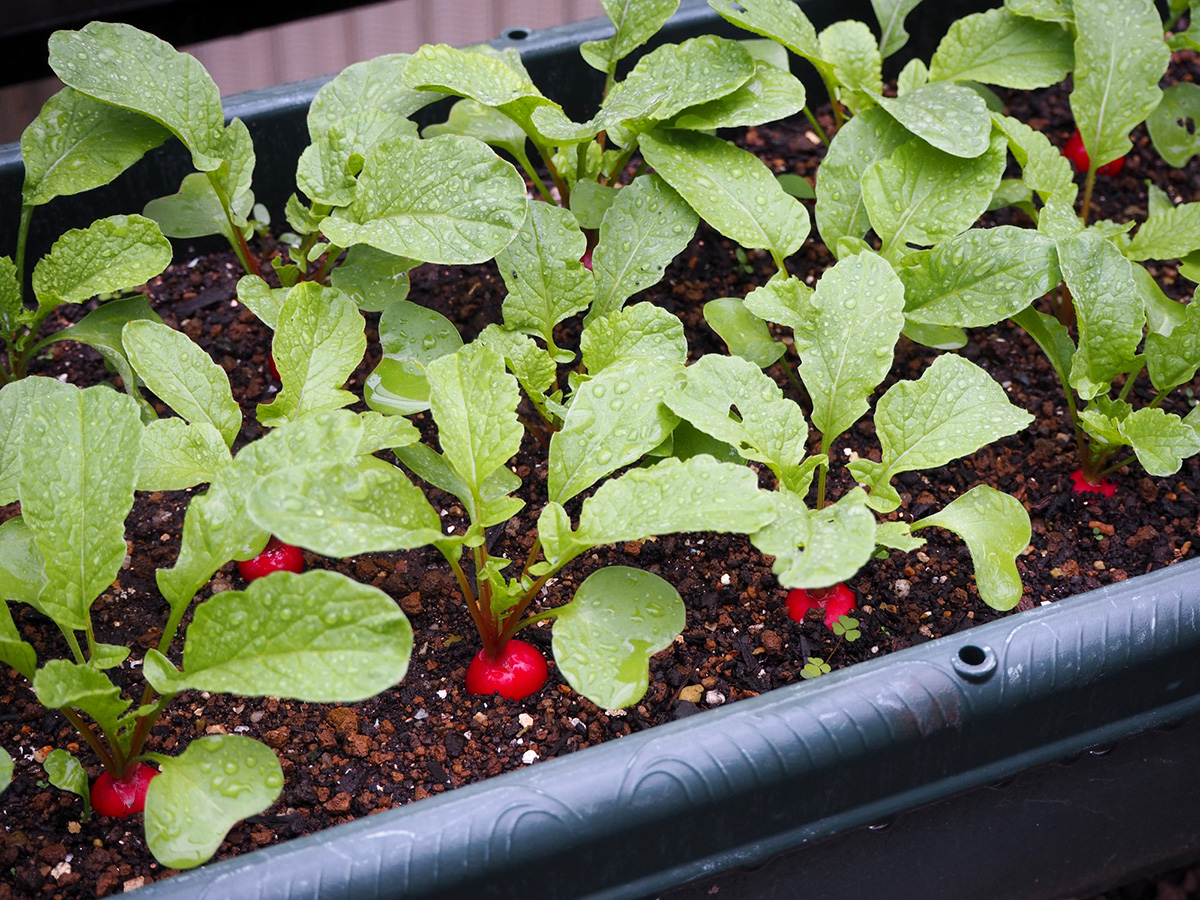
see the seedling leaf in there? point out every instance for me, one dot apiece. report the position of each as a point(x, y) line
point(1172, 124)
point(891, 15)
point(411, 337)
point(61, 684)
point(372, 278)
point(109, 255)
point(1170, 234)
point(772, 94)
point(647, 226)
point(77, 143)
point(998, 47)
point(202, 793)
point(1160, 439)
point(66, 773)
point(731, 189)
point(320, 637)
point(635, 22)
point(950, 117)
point(17, 400)
point(995, 528)
point(176, 455)
point(14, 651)
point(1172, 359)
point(604, 638)
point(746, 335)
point(74, 498)
point(818, 548)
point(641, 331)
point(953, 409)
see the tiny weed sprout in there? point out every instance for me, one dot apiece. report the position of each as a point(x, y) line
point(275, 557)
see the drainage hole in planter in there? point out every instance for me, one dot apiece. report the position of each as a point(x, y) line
point(514, 34)
point(975, 663)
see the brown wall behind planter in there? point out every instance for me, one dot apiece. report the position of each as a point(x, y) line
point(324, 45)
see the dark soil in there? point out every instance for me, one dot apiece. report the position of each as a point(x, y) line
point(427, 735)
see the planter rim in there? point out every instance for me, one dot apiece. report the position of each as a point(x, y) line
point(739, 784)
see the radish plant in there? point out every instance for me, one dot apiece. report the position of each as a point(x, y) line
point(73, 459)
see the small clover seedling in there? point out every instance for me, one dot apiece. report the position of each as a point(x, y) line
point(815, 667)
point(73, 459)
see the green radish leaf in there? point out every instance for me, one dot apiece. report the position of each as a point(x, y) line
point(101, 328)
point(939, 337)
point(846, 348)
point(66, 773)
point(73, 498)
point(480, 74)
point(60, 684)
point(382, 432)
point(324, 172)
point(342, 511)
point(604, 638)
point(176, 456)
point(471, 119)
point(922, 196)
point(785, 301)
point(1012, 192)
point(17, 400)
point(412, 201)
point(411, 337)
point(796, 186)
point(590, 201)
point(699, 494)
point(1163, 314)
point(108, 656)
point(1192, 420)
point(1160, 439)
point(14, 651)
point(664, 82)
point(647, 226)
point(217, 527)
point(546, 281)
point(731, 189)
point(532, 365)
point(183, 376)
point(373, 97)
point(202, 793)
point(1009, 269)
point(1158, 201)
point(10, 297)
point(195, 211)
point(125, 67)
point(1172, 124)
point(320, 637)
point(474, 403)
point(1172, 359)
point(371, 278)
point(495, 504)
point(1043, 167)
point(870, 136)
point(998, 47)
point(1119, 58)
point(772, 94)
point(264, 301)
point(818, 548)
point(780, 20)
point(77, 143)
point(891, 15)
point(1060, 11)
point(318, 344)
point(1052, 337)
point(896, 536)
point(609, 424)
point(950, 117)
point(6, 770)
point(857, 65)
point(732, 400)
point(109, 255)
point(641, 331)
point(995, 528)
point(1110, 325)
point(746, 335)
point(914, 74)
point(953, 409)
point(1171, 234)
point(634, 23)
point(21, 574)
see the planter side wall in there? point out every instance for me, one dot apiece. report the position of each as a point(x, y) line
point(738, 785)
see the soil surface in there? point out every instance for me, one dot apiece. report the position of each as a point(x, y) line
point(428, 735)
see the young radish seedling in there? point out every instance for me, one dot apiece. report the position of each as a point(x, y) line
point(844, 332)
point(318, 637)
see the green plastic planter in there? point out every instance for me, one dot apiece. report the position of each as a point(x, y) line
point(1044, 755)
